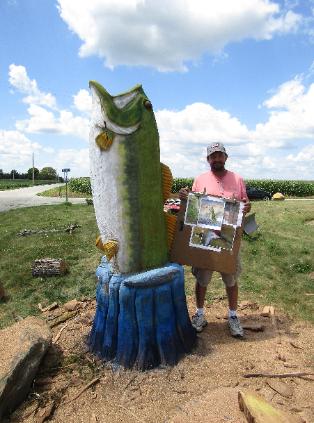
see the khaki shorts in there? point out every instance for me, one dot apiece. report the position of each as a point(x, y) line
point(204, 276)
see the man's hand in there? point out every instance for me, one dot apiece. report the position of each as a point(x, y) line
point(247, 206)
point(183, 193)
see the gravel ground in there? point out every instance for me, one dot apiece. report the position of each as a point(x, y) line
point(202, 387)
point(27, 197)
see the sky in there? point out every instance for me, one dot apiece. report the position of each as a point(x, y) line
point(239, 72)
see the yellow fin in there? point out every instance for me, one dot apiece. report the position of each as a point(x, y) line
point(167, 180)
point(110, 248)
point(171, 222)
point(104, 141)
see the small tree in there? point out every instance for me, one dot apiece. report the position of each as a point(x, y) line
point(30, 173)
point(48, 173)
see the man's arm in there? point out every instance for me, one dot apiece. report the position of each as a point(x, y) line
point(183, 193)
point(244, 198)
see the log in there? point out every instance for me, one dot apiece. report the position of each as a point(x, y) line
point(49, 267)
point(257, 410)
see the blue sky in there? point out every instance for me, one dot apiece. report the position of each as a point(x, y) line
point(237, 72)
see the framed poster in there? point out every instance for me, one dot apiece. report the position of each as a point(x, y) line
point(208, 232)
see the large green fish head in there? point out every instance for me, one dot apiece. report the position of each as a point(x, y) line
point(125, 113)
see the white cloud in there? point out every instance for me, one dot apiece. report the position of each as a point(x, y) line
point(63, 122)
point(16, 150)
point(291, 115)
point(263, 151)
point(44, 116)
point(19, 79)
point(185, 134)
point(286, 95)
point(76, 159)
point(83, 101)
point(303, 156)
point(166, 35)
point(260, 152)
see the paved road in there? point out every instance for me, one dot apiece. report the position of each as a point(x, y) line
point(26, 197)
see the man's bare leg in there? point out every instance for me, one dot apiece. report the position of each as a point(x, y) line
point(232, 294)
point(198, 320)
point(200, 292)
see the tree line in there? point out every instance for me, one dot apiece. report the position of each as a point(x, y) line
point(46, 173)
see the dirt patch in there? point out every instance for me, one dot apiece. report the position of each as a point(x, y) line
point(203, 384)
point(309, 222)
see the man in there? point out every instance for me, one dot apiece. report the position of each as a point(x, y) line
point(219, 182)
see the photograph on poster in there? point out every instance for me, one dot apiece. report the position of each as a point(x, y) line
point(192, 209)
point(213, 240)
point(231, 213)
point(211, 212)
point(226, 238)
point(201, 238)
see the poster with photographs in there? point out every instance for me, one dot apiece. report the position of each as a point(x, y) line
point(214, 221)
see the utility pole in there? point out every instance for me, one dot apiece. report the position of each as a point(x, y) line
point(65, 174)
point(33, 169)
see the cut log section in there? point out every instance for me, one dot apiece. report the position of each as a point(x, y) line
point(49, 267)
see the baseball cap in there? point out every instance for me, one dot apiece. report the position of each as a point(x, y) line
point(216, 146)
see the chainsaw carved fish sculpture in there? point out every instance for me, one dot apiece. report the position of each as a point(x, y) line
point(127, 180)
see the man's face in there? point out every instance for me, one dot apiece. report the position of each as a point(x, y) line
point(217, 161)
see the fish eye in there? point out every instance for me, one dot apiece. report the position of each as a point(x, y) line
point(148, 105)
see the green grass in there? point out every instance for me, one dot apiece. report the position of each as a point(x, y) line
point(278, 262)
point(60, 192)
point(17, 254)
point(6, 184)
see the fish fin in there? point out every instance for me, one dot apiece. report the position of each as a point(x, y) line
point(171, 223)
point(104, 140)
point(110, 248)
point(167, 181)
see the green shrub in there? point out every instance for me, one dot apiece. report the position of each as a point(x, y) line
point(80, 185)
point(179, 183)
point(292, 188)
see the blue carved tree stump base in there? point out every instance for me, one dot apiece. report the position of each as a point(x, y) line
point(141, 320)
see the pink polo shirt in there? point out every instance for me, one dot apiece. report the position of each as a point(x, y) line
point(227, 186)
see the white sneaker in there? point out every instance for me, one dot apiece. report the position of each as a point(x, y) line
point(199, 322)
point(235, 327)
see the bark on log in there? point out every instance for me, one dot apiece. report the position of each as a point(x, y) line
point(2, 293)
point(49, 267)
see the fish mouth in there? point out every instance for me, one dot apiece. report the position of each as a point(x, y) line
point(115, 111)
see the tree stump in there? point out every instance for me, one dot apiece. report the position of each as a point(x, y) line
point(141, 320)
point(49, 267)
